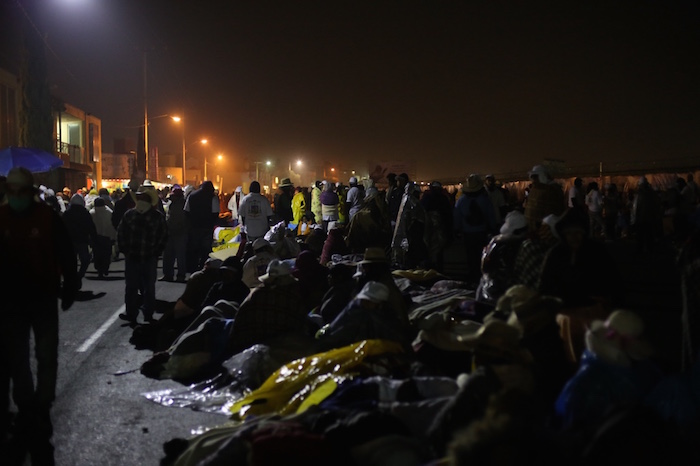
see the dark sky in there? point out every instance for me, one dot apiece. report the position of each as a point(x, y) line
point(457, 87)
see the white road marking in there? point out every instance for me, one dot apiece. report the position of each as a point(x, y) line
point(98, 333)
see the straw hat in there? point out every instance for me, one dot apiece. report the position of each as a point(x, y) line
point(619, 340)
point(473, 183)
point(277, 272)
point(528, 310)
point(373, 256)
point(496, 340)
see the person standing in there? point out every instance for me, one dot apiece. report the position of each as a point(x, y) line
point(125, 202)
point(474, 220)
point(233, 204)
point(255, 212)
point(316, 201)
point(298, 206)
point(142, 235)
point(202, 210)
point(497, 198)
point(35, 252)
point(354, 198)
point(576, 197)
point(594, 204)
point(176, 246)
point(329, 206)
point(283, 202)
point(106, 235)
point(82, 232)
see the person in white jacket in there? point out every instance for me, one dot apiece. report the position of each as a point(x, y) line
point(233, 204)
point(106, 235)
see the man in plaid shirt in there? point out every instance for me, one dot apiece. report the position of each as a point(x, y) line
point(142, 234)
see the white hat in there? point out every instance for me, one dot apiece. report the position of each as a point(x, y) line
point(515, 220)
point(541, 172)
point(277, 270)
point(375, 292)
point(619, 339)
point(239, 189)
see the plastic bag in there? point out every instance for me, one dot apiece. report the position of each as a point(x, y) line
point(286, 390)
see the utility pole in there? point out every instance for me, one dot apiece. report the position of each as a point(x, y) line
point(145, 111)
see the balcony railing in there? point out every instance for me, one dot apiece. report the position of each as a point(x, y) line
point(75, 153)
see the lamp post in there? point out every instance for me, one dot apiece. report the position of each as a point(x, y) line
point(257, 168)
point(218, 157)
point(181, 120)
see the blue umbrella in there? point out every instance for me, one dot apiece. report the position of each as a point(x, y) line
point(34, 160)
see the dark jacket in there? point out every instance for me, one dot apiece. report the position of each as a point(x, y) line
point(199, 207)
point(81, 228)
point(178, 223)
point(121, 206)
point(35, 250)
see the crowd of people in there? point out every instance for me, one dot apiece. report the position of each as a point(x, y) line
point(537, 356)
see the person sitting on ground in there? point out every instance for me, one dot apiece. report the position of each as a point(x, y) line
point(370, 226)
point(582, 272)
point(375, 267)
point(528, 262)
point(230, 287)
point(616, 370)
point(197, 288)
point(367, 316)
point(334, 244)
point(341, 289)
point(498, 259)
point(546, 197)
point(313, 279)
point(499, 362)
point(256, 265)
point(272, 310)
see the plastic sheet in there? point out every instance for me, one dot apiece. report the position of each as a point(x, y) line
point(286, 390)
point(245, 372)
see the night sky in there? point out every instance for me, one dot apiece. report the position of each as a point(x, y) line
point(457, 87)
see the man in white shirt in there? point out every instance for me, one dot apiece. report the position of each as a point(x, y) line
point(255, 213)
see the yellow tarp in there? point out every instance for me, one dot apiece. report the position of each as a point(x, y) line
point(307, 381)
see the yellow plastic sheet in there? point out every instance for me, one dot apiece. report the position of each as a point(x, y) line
point(304, 382)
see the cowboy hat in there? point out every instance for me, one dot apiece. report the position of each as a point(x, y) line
point(473, 183)
point(619, 339)
point(496, 340)
point(373, 256)
point(285, 182)
point(277, 271)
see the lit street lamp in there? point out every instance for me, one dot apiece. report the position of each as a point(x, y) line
point(218, 157)
point(257, 169)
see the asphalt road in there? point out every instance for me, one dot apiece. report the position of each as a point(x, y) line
point(103, 418)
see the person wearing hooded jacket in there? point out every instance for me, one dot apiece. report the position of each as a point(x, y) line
point(82, 231)
point(106, 235)
point(178, 228)
point(202, 210)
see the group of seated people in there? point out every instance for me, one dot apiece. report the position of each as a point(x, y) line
point(517, 380)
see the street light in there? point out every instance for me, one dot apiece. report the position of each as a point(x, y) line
point(257, 168)
point(218, 157)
